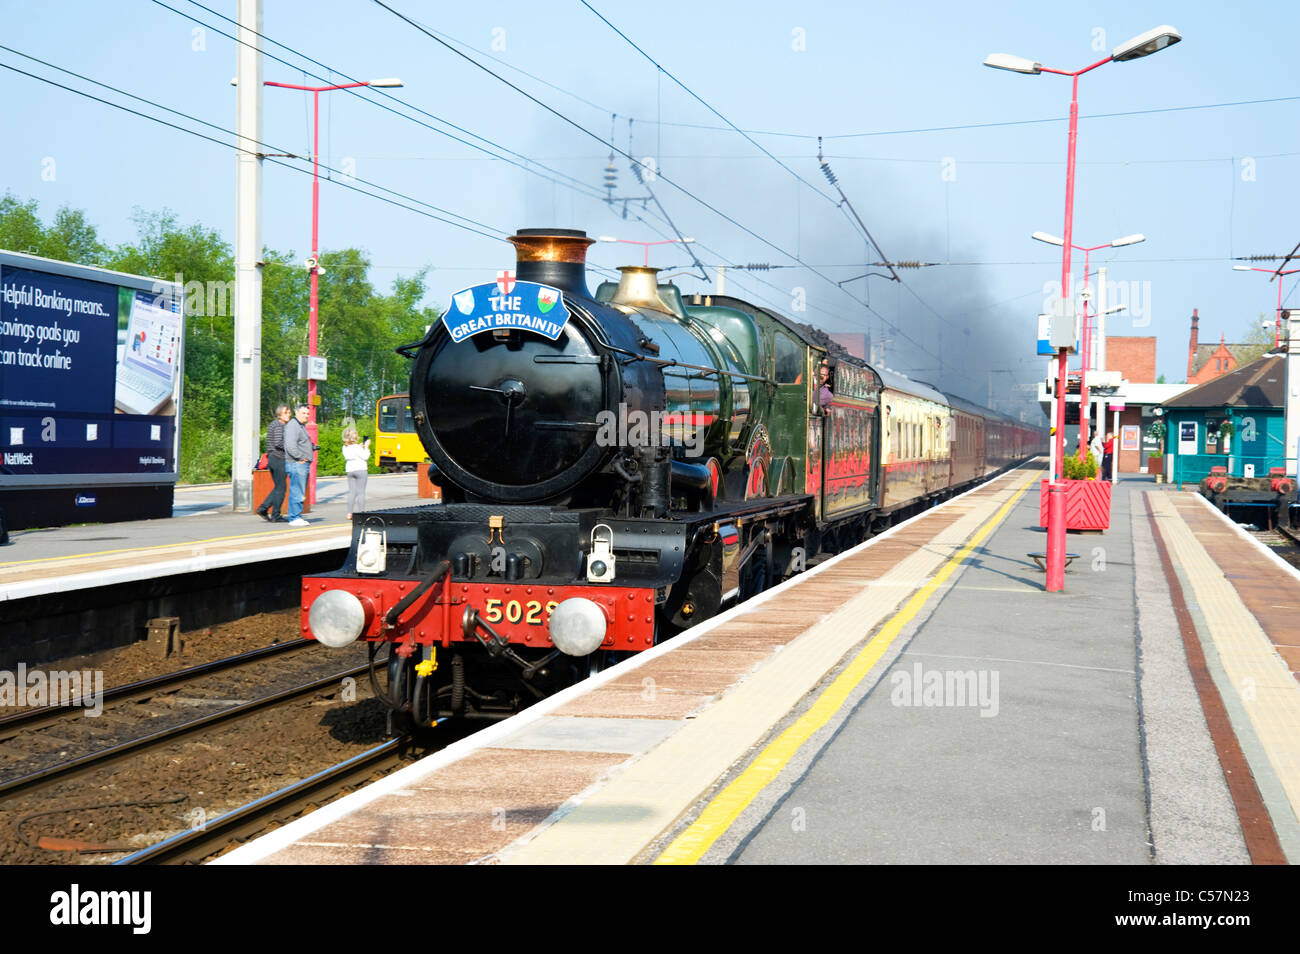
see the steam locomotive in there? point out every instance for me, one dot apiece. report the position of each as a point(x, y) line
point(616, 468)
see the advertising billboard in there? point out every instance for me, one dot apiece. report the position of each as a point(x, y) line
point(90, 382)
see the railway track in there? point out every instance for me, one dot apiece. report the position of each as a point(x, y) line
point(62, 771)
point(197, 844)
point(46, 715)
point(160, 766)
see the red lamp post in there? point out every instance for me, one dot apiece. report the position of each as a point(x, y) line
point(313, 263)
point(1277, 334)
point(1147, 43)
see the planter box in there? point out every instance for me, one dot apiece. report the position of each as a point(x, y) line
point(1087, 504)
point(424, 487)
point(262, 486)
point(1156, 464)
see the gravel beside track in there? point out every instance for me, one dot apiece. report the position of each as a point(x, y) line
point(106, 812)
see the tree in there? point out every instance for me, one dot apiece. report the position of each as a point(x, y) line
point(358, 327)
point(1257, 341)
point(69, 238)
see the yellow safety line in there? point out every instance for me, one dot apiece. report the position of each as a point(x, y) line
point(265, 534)
point(718, 816)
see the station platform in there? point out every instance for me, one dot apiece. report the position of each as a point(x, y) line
point(202, 534)
point(918, 699)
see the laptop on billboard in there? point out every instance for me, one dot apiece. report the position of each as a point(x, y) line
point(146, 373)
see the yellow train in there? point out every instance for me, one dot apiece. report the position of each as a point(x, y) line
point(397, 446)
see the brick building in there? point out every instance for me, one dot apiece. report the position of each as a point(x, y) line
point(1133, 357)
point(1205, 362)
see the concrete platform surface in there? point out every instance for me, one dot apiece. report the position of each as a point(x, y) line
point(202, 533)
point(918, 699)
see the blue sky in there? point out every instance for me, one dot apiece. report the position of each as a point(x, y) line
point(1202, 184)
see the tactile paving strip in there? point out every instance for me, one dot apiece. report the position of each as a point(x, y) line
point(1261, 679)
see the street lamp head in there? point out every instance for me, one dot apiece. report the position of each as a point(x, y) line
point(1049, 239)
point(1128, 240)
point(1017, 64)
point(1115, 309)
point(606, 238)
point(389, 83)
point(688, 240)
point(1242, 268)
point(1153, 41)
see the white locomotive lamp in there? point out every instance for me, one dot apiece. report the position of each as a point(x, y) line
point(600, 561)
point(372, 551)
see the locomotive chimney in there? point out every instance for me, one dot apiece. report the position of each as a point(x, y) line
point(639, 288)
point(556, 257)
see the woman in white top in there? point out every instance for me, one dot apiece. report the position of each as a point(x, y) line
point(356, 455)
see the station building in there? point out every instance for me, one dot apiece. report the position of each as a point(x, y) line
point(1236, 420)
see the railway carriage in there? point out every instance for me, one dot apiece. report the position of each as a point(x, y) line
point(616, 468)
point(396, 445)
point(916, 441)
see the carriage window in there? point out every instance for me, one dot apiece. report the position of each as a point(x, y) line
point(789, 361)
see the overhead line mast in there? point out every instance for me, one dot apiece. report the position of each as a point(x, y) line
point(247, 384)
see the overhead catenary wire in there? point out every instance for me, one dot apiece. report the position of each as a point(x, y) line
point(614, 147)
point(859, 135)
point(762, 298)
point(338, 182)
point(400, 195)
point(520, 161)
point(690, 92)
point(592, 135)
point(274, 161)
point(830, 176)
point(996, 124)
